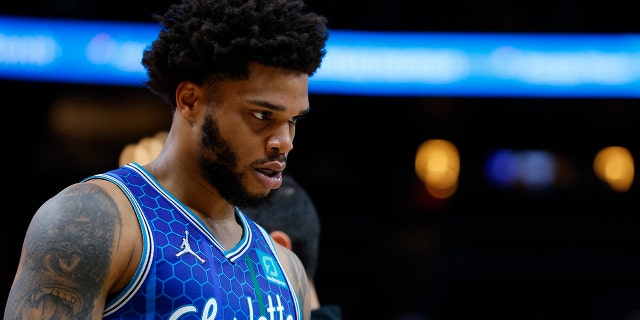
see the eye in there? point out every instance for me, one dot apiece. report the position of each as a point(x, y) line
point(295, 120)
point(262, 115)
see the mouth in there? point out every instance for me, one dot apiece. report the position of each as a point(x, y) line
point(271, 169)
point(52, 296)
point(268, 172)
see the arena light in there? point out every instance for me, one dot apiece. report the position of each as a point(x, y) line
point(615, 166)
point(357, 62)
point(437, 165)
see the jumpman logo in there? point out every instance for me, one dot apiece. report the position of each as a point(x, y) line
point(186, 247)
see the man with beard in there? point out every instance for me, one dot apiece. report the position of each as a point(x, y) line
point(165, 240)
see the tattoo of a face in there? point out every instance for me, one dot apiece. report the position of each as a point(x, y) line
point(68, 252)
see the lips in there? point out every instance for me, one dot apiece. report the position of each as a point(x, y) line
point(267, 172)
point(56, 302)
point(271, 169)
point(270, 175)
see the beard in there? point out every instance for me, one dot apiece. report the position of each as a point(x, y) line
point(217, 161)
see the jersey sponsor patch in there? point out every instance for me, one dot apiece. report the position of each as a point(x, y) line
point(269, 265)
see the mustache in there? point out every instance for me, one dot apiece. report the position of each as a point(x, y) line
point(275, 158)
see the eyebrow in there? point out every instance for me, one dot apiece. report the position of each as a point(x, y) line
point(274, 107)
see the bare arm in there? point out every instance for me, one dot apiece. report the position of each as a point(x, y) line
point(295, 270)
point(66, 256)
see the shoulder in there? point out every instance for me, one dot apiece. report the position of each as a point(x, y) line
point(83, 207)
point(86, 206)
point(70, 245)
point(85, 220)
point(296, 274)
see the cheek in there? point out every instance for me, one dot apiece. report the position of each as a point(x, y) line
point(234, 131)
point(246, 145)
point(251, 146)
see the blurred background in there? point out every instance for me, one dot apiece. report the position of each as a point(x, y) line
point(526, 218)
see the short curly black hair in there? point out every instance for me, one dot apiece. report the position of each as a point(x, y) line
point(201, 40)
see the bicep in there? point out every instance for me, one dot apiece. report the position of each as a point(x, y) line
point(66, 257)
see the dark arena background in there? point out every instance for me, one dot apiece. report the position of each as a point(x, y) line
point(389, 250)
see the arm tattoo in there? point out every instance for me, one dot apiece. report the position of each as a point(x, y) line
point(67, 254)
point(298, 275)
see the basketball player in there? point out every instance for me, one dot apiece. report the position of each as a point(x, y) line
point(165, 240)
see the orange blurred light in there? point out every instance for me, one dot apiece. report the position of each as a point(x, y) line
point(437, 165)
point(614, 165)
point(143, 152)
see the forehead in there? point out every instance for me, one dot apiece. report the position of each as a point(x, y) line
point(284, 88)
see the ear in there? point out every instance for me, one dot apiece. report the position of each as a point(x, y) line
point(281, 238)
point(188, 100)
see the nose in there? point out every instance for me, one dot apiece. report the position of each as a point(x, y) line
point(281, 141)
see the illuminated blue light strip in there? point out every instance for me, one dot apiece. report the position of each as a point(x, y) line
point(357, 62)
point(73, 51)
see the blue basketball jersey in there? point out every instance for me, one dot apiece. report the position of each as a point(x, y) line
point(185, 273)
